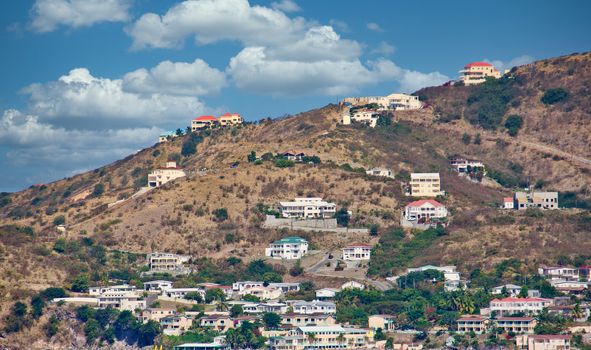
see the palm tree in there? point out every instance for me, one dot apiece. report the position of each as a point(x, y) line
point(577, 312)
point(341, 338)
point(311, 338)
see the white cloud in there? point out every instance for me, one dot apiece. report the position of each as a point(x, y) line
point(341, 26)
point(375, 27)
point(517, 61)
point(286, 6)
point(92, 100)
point(47, 15)
point(209, 21)
point(384, 49)
point(176, 78)
point(411, 81)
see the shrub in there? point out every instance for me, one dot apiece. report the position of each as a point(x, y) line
point(488, 103)
point(156, 153)
point(80, 284)
point(99, 189)
point(552, 96)
point(252, 157)
point(513, 124)
point(220, 214)
point(284, 163)
point(59, 220)
point(466, 139)
point(297, 269)
point(342, 216)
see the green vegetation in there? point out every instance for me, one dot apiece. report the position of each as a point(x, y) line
point(59, 220)
point(488, 103)
point(505, 180)
point(284, 163)
point(553, 96)
point(220, 214)
point(573, 200)
point(189, 147)
point(343, 217)
point(513, 124)
point(252, 157)
point(98, 190)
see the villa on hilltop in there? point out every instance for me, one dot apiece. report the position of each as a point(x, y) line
point(476, 73)
point(165, 174)
point(209, 122)
point(397, 102)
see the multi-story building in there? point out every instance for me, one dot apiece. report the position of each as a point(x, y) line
point(168, 262)
point(299, 320)
point(176, 324)
point(386, 322)
point(121, 301)
point(157, 285)
point(426, 209)
point(472, 323)
point(541, 200)
point(288, 248)
point(518, 325)
point(242, 285)
point(229, 119)
point(394, 101)
point(204, 122)
point(543, 342)
point(357, 252)
point(155, 314)
point(220, 323)
point(258, 308)
point(366, 116)
point(559, 272)
point(463, 165)
point(425, 185)
point(321, 337)
point(511, 289)
point(382, 172)
point(263, 293)
point(307, 208)
point(477, 72)
point(510, 306)
point(160, 176)
point(96, 291)
point(313, 307)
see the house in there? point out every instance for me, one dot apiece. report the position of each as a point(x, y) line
point(258, 308)
point(96, 291)
point(386, 322)
point(263, 293)
point(176, 324)
point(293, 155)
point(163, 175)
point(230, 119)
point(383, 172)
point(534, 199)
point(425, 210)
point(396, 101)
point(472, 323)
point(285, 287)
point(180, 293)
point(288, 248)
point(314, 307)
point(559, 272)
point(571, 287)
point(449, 272)
point(326, 293)
point(357, 252)
point(157, 285)
point(512, 289)
point(510, 306)
point(155, 314)
point(242, 285)
point(228, 292)
point(298, 320)
point(307, 208)
point(477, 72)
point(543, 342)
point(168, 262)
point(321, 337)
point(366, 116)
point(217, 344)
point(464, 165)
point(425, 185)
point(352, 285)
point(204, 122)
point(166, 136)
point(508, 203)
point(220, 323)
point(518, 325)
point(121, 301)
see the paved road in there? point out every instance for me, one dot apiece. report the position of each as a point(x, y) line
point(314, 268)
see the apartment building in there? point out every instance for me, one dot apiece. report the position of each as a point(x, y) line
point(425, 185)
point(357, 252)
point(168, 262)
point(543, 342)
point(395, 101)
point(288, 248)
point(518, 325)
point(425, 209)
point(307, 208)
point(313, 307)
point(169, 172)
point(472, 323)
point(220, 323)
point(299, 320)
point(534, 199)
point(321, 337)
point(121, 301)
point(476, 73)
point(230, 119)
point(204, 122)
point(176, 324)
point(510, 306)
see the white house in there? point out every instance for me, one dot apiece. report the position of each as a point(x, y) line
point(95, 291)
point(163, 175)
point(508, 203)
point(366, 116)
point(307, 208)
point(326, 293)
point(168, 262)
point(242, 285)
point(512, 289)
point(559, 272)
point(462, 165)
point(288, 248)
point(352, 285)
point(285, 287)
point(424, 209)
point(395, 101)
point(357, 252)
point(314, 307)
point(449, 272)
point(180, 293)
point(263, 293)
point(121, 300)
point(509, 306)
point(258, 308)
point(383, 172)
point(293, 155)
point(157, 285)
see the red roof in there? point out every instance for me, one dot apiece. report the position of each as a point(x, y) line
point(511, 299)
point(550, 336)
point(205, 118)
point(478, 64)
point(229, 114)
point(421, 202)
point(507, 199)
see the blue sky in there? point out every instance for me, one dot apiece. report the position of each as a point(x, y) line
point(86, 82)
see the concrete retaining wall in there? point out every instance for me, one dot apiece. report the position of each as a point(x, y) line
point(322, 225)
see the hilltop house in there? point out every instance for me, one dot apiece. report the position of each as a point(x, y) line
point(357, 252)
point(293, 155)
point(366, 116)
point(263, 293)
point(288, 248)
point(476, 73)
point(204, 122)
point(508, 203)
point(534, 199)
point(424, 210)
point(176, 324)
point(167, 136)
point(425, 185)
point(307, 208)
point(466, 166)
point(510, 306)
point(321, 337)
point(230, 119)
point(397, 102)
point(163, 175)
point(313, 307)
point(168, 262)
point(383, 172)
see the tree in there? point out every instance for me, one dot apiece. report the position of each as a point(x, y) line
point(148, 332)
point(513, 124)
point(552, 96)
point(251, 298)
point(284, 163)
point(342, 216)
point(59, 220)
point(91, 330)
point(466, 138)
point(80, 284)
point(179, 132)
point(272, 277)
point(477, 139)
point(384, 120)
point(214, 294)
point(52, 326)
point(379, 335)
point(196, 296)
point(252, 157)
point(37, 305)
point(373, 230)
point(220, 214)
point(271, 320)
point(99, 189)
point(297, 269)
point(236, 310)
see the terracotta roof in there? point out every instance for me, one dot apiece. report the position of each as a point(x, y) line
point(229, 115)
point(478, 64)
point(550, 336)
point(507, 199)
point(205, 118)
point(293, 151)
point(420, 203)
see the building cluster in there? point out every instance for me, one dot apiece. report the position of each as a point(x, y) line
point(210, 122)
point(532, 199)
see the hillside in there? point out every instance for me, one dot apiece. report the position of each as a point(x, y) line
point(179, 217)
